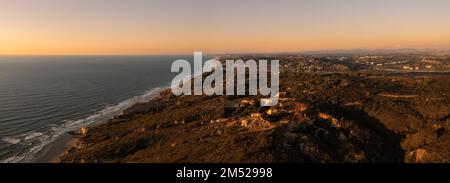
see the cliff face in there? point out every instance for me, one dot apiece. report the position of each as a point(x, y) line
point(345, 117)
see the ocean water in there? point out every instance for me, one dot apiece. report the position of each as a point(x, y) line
point(44, 97)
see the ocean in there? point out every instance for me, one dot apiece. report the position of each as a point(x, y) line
point(45, 97)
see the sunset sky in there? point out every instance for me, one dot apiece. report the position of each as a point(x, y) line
point(46, 27)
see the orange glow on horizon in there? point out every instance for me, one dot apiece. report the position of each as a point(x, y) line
point(49, 46)
point(87, 27)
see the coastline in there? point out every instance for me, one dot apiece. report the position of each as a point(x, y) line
point(52, 153)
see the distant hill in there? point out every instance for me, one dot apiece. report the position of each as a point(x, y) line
point(367, 51)
point(347, 52)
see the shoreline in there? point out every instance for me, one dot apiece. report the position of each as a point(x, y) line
point(52, 153)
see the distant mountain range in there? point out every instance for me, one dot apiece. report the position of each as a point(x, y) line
point(373, 51)
point(347, 52)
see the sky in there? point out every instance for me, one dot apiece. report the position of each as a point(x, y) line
point(85, 27)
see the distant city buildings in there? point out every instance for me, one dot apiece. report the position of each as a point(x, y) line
point(392, 62)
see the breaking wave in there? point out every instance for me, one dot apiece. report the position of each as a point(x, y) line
point(33, 142)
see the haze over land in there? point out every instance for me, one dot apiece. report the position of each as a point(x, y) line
point(42, 27)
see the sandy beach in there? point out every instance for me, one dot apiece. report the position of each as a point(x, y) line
point(51, 152)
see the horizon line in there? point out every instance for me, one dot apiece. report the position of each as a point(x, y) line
point(237, 52)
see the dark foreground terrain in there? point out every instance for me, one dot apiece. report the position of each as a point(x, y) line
point(353, 116)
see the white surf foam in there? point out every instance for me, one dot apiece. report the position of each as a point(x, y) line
point(35, 141)
point(33, 135)
point(11, 140)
